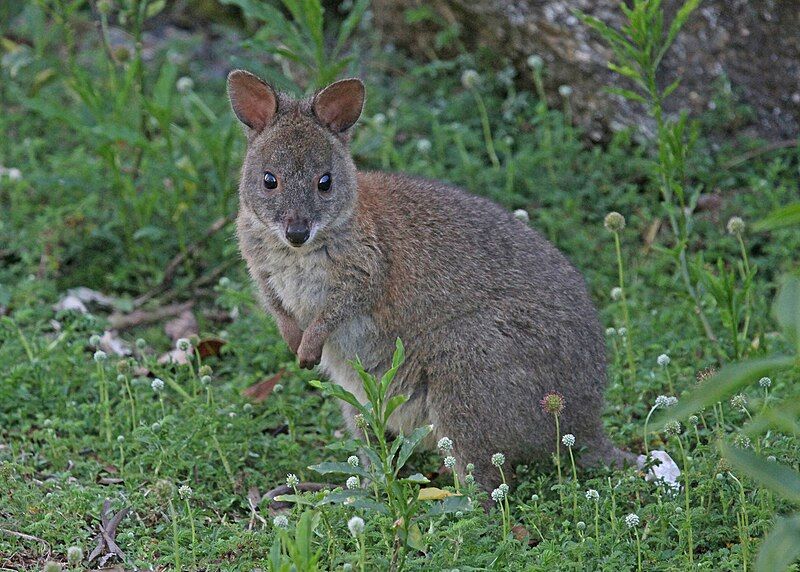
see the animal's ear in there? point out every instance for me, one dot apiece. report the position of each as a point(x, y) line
point(339, 105)
point(253, 100)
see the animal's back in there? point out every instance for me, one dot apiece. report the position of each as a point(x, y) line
point(492, 314)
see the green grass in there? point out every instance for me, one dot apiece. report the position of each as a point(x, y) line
point(114, 185)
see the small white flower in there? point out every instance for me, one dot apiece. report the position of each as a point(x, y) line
point(672, 427)
point(663, 360)
point(616, 293)
point(292, 480)
point(568, 439)
point(735, 225)
point(469, 479)
point(611, 332)
point(534, 498)
point(94, 340)
point(739, 401)
point(632, 520)
point(100, 356)
point(14, 174)
point(564, 90)
point(470, 467)
point(185, 492)
point(445, 444)
point(504, 489)
point(424, 146)
point(592, 494)
point(157, 385)
point(765, 382)
point(379, 119)
point(498, 459)
point(470, 79)
point(183, 344)
point(622, 332)
point(664, 401)
point(535, 62)
point(184, 85)
point(206, 380)
point(352, 460)
point(352, 482)
point(449, 462)
point(522, 214)
point(498, 495)
point(355, 525)
point(742, 441)
point(694, 420)
point(120, 439)
point(280, 521)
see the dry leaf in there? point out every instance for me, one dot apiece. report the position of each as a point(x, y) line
point(210, 347)
point(258, 392)
point(433, 493)
point(111, 343)
point(184, 326)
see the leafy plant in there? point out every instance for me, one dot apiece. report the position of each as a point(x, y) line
point(301, 39)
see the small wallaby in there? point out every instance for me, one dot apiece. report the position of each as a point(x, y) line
point(492, 315)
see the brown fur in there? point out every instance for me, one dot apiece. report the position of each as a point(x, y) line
point(492, 315)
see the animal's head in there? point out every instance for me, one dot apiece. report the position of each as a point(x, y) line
point(298, 177)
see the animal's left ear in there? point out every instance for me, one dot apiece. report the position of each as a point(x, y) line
point(339, 105)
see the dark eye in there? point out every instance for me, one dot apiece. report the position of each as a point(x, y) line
point(324, 183)
point(270, 182)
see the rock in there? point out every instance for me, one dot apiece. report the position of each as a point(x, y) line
point(743, 51)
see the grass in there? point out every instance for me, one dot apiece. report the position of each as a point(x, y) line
point(120, 172)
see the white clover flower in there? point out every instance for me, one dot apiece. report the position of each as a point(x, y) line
point(742, 441)
point(522, 214)
point(469, 479)
point(155, 427)
point(672, 427)
point(292, 480)
point(74, 555)
point(632, 520)
point(445, 444)
point(184, 85)
point(185, 492)
point(614, 222)
point(535, 497)
point(611, 332)
point(424, 146)
point(379, 119)
point(622, 332)
point(183, 344)
point(470, 78)
point(498, 459)
point(355, 525)
point(94, 340)
point(157, 385)
point(568, 439)
point(120, 439)
point(694, 420)
point(735, 225)
point(280, 521)
point(564, 90)
point(739, 401)
point(535, 62)
point(100, 356)
point(470, 467)
point(616, 293)
point(504, 489)
point(664, 401)
point(498, 495)
point(352, 482)
point(663, 360)
point(592, 494)
point(140, 343)
point(206, 380)
point(580, 525)
point(352, 460)
point(14, 174)
point(765, 382)
point(224, 282)
point(772, 459)
point(449, 461)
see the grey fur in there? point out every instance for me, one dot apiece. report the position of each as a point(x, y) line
point(492, 315)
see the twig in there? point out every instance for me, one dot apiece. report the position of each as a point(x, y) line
point(744, 157)
point(28, 537)
point(172, 267)
point(138, 317)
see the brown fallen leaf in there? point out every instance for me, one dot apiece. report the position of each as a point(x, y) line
point(107, 547)
point(112, 344)
point(521, 533)
point(210, 347)
point(258, 392)
point(184, 326)
point(176, 356)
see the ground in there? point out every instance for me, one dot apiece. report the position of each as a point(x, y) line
point(122, 178)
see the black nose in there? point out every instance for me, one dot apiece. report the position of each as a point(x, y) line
point(297, 233)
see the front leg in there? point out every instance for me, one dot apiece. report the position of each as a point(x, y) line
point(358, 287)
point(287, 325)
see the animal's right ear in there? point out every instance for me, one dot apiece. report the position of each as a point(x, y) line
point(253, 100)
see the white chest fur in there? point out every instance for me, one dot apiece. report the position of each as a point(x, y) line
point(301, 281)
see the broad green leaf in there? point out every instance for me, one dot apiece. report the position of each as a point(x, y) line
point(410, 443)
point(344, 496)
point(416, 478)
point(333, 390)
point(787, 309)
point(297, 499)
point(415, 539)
point(781, 547)
point(450, 505)
point(780, 479)
point(780, 218)
point(433, 493)
point(331, 468)
point(394, 403)
point(725, 383)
